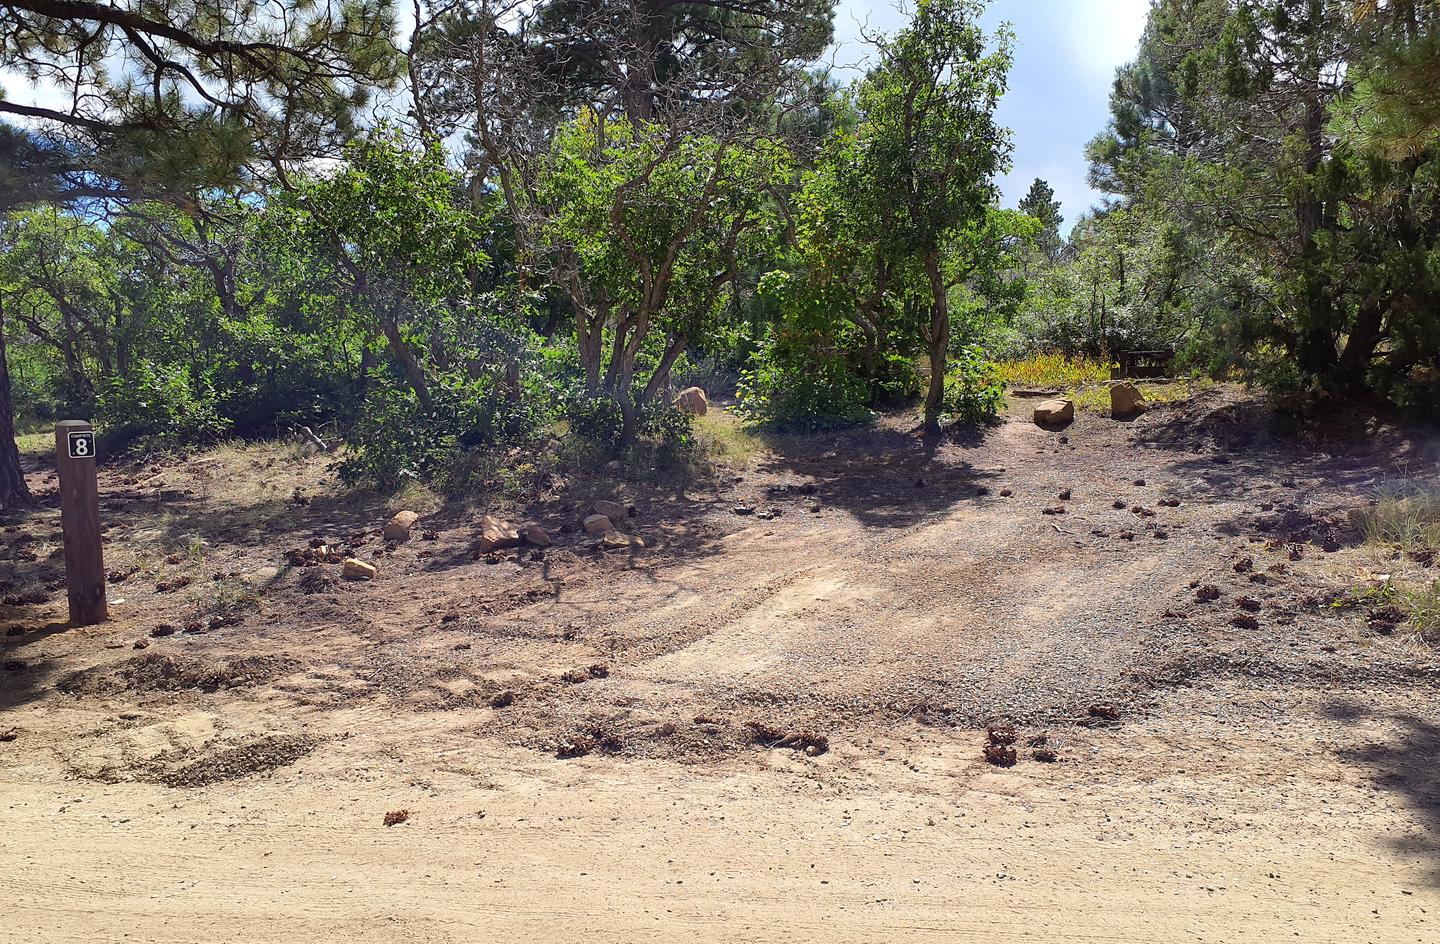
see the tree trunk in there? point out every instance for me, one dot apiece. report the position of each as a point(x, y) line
point(939, 342)
point(407, 360)
point(629, 412)
point(1360, 346)
point(590, 339)
point(673, 350)
point(13, 491)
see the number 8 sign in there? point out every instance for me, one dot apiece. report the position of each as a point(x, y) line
point(82, 445)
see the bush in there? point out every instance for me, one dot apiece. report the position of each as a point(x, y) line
point(160, 406)
point(793, 381)
point(974, 388)
point(672, 430)
point(895, 380)
point(595, 419)
point(394, 440)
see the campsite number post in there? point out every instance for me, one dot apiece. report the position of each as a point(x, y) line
point(80, 522)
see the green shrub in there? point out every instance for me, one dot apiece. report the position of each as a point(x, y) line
point(793, 381)
point(160, 406)
point(595, 419)
point(394, 440)
point(974, 387)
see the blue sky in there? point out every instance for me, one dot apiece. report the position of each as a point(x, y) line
point(1065, 60)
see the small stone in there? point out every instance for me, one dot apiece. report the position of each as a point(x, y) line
point(1126, 401)
point(693, 401)
point(610, 509)
point(497, 534)
point(142, 644)
point(1065, 495)
point(1054, 412)
point(535, 535)
point(618, 540)
point(398, 528)
point(1006, 492)
point(598, 524)
point(355, 569)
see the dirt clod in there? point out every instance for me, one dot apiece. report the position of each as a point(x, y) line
point(1001, 755)
point(1002, 734)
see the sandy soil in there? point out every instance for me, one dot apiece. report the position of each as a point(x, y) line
point(756, 728)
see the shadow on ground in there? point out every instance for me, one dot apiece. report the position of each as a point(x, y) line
point(1407, 763)
point(886, 476)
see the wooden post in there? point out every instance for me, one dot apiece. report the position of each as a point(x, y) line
point(80, 522)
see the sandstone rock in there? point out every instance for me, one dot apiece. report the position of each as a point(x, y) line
point(536, 536)
point(1126, 401)
point(692, 400)
point(355, 569)
point(617, 540)
point(496, 535)
point(612, 510)
point(1054, 412)
point(598, 524)
point(399, 527)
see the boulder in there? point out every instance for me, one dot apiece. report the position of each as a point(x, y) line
point(612, 510)
point(617, 540)
point(692, 400)
point(1054, 412)
point(536, 536)
point(1126, 400)
point(496, 535)
point(398, 528)
point(355, 569)
point(598, 524)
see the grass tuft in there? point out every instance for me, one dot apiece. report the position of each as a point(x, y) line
point(724, 441)
point(1407, 518)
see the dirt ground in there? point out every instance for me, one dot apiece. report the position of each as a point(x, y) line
point(766, 725)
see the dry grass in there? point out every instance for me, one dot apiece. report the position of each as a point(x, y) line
point(1086, 381)
point(36, 444)
point(1424, 607)
point(724, 441)
point(1407, 518)
point(1054, 370)
point(1096, 399)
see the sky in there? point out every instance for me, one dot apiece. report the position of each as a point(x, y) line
point(1065, 60)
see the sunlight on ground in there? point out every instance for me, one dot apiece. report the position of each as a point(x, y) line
point(725, 441)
